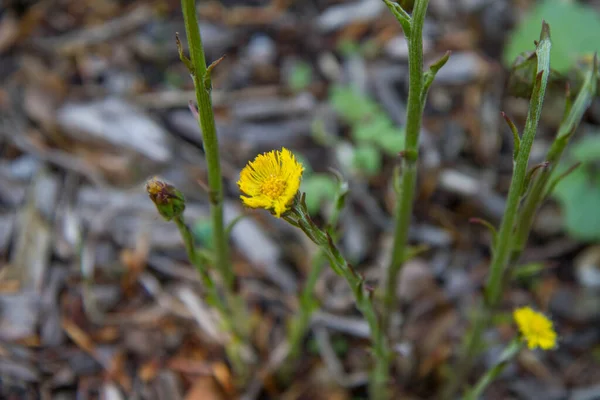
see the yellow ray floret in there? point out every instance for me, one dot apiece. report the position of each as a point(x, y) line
point(271, 181)
point(536, 328)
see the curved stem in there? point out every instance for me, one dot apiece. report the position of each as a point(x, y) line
point(362, 296)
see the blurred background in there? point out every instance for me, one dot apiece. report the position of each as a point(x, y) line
point(97, 299)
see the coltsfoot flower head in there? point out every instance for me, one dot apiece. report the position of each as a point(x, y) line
point(271, 181)
point(536, 328)
point(169, 201)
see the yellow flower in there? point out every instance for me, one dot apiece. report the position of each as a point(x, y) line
point(271, 181)
point(536, 328)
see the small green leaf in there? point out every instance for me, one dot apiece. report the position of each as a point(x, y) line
point(401, 15)
point(318, 188)
point(348, 47)
point(370, 130)
point(367, 159)
point(579, 192)
point(587, 149)
point(352, 105)
point(203, 233)
point(575, 32)
point(528, 270)
point(304, 161)
point(300, 76)
point(516, 137)
point(391, 141)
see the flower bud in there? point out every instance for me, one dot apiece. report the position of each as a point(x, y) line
point(169, 201)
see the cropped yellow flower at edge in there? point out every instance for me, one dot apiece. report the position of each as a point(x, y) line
point(271, 181)
point(536, 328)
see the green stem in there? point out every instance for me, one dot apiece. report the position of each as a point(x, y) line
point(471, 346)
point(234, 346)
point(299, 217)
point(507, 355)
point(503, 246)
point(202, 85)
point(190, 248)
point(299, 325)
point(540, 186)
point(414, 115)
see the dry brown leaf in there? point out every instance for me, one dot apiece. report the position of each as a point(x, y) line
point(223, 376)
point(149, 370)
point(77, 335)
point(205, 388)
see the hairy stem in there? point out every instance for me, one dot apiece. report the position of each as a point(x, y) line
point(503, 249)
point(414, 115)
point(362, 296)
point(299, 325)
point(202, 85)
point(540, 185)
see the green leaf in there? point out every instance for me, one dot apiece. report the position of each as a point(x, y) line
point(352, 106)
point(587, 150)
point(304, 161)
point(203, 233)
point(370, 130)
point(348, 47)
point(579, 192)
point(367, 159)
point(575, 32)
point(318, 188)
point(527, 271)
point(300, 76)
point(391, 141)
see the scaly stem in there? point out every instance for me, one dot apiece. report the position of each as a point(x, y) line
point(414, 115)
point(190, 248)
point(503, 249)
point(300, 218)
point(232, 346)
point(202, 85)
point(540, 186)
point(507, 355)
point(300, 323)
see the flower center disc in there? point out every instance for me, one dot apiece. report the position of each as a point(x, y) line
point(273, 187)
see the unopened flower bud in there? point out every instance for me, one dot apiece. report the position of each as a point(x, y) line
point(169, 201)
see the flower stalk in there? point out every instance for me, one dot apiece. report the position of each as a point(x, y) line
point(170, 204)
point(419, 82)
point(298, 216)
point(502, 247)
point(509, 353)
point(300, 323)
point(535, 330)
point(202, 84)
